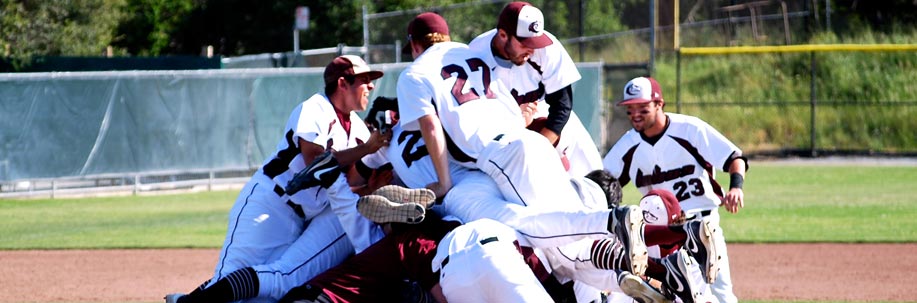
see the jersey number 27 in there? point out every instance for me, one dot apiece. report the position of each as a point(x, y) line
point(461, 76)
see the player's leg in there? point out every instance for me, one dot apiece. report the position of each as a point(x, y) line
point(321, 246)
point(373, 275)
point(258, 232)
point(260, 228)
point(722, 287)
point(361, 231)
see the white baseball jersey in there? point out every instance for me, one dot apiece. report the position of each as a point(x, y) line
point(268, 229)
point(548, 70)
point(455, 83)
point(408, 155)
point(683, 160)
point(314, 121)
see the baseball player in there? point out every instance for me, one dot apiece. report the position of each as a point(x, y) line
point(679, 153)
point(564, 268)
point(413, 166)
point(541, 73)
point(277, 240)
point(475, 262)
point(572, 264)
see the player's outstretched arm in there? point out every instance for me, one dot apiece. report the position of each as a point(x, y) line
point(435, 141)
point(735, 197)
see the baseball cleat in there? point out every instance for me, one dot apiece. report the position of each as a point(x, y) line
point(398, 194)
point(173, 298)
point(679, 282)
point(705, 244)
point(381, 210)
point(628, 225)
point(637, 288)
point(323, 171)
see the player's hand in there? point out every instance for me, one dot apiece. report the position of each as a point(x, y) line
point(377, 140)
point(528, 111)
point(439, 189)
point(734, 200)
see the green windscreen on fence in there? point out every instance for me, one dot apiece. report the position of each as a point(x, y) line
point(98, 123)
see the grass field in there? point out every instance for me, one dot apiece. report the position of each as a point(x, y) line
point(784, 203)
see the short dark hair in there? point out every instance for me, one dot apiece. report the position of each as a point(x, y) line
point(609, 184)
point(332, 87)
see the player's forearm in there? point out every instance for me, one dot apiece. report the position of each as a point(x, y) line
point(561, 105)
point(737, 173)
point(351, 155)
point(435, 141)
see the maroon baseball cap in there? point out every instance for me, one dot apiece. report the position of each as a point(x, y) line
point(660, 207)
point(526, 23)
point(348, 65)
point(641, 90)
point(422, 25)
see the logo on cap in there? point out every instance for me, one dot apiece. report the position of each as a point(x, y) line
point(633, 90)
point(535, 27)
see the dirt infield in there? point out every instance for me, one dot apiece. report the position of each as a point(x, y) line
point(790, 272)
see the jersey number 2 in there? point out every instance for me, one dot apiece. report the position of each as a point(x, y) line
point(413, 138)
point(462, 77)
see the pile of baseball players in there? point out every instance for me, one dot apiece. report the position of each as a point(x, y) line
point(478, 183)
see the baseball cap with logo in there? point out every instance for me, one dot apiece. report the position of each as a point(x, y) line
point(660, 207)
point(526, 23)
point(641, 90)
point(425, 24)
point(348, 65)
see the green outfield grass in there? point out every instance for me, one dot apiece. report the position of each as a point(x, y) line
point(784, 203)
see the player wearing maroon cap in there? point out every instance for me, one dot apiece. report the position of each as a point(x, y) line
point(539, 73)
point(679, 153)
point(277, 240)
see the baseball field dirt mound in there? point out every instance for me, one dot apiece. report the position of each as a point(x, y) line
point(780, 272)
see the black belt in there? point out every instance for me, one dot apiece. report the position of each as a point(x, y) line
point(484, 241)
point(700, 214)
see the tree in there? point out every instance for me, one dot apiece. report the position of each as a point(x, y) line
point(55, 28)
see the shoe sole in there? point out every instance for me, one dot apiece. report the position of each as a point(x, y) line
point(637, 289)
point(713, 249)
point(380, 210)
point(636, 247)
point(398, 194)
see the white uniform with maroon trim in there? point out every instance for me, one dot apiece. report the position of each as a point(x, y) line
point(480, 199)
point(683, 161)
point(288, 240)
point(548, 70)
point(483, 126)
point(479, 262)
